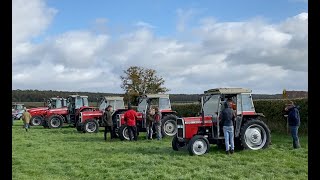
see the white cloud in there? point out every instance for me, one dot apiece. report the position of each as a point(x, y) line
point(29, 19)
point(254, 54)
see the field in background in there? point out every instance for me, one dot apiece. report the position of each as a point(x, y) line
point(61, 154)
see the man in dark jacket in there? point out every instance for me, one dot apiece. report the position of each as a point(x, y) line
point(227, 118)
point(107, 117)
point(294, 123)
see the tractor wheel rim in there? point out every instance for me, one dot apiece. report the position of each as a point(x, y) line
point(255, 137)
point(199, 147)
point(91, 127)
point(55, 122)
point(170, 128)
point(36, 121)
point(125, 133)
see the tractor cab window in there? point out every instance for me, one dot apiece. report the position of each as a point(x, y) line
point(211, 105)
point(103, 105)
point(85, 102)
point(164, 103)
point(65, 103)
point(58, 103)
point(19, 107)
point(247, 104)
point(78, 102)
point(142, 105)
point(118, 104)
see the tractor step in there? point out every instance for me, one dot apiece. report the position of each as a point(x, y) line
point(220, 137)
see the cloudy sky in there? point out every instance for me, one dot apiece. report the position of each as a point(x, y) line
point(194, 45)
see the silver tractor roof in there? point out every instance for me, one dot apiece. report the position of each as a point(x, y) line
point(111, 98)
point(156, 95)
point(228, 91)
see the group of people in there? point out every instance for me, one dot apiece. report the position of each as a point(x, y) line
point(153, 119)
point(228, 117)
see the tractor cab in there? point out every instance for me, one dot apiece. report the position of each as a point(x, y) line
point(147, 101)
point(115, 102)
point(56, 102)
point(75, 103)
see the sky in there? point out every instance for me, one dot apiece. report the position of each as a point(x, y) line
point(195, 45)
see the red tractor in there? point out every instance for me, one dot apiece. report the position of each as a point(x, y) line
point(55, 118)
point(90, 121)
point(168, 117)
point(197, 133)
point(38, 114)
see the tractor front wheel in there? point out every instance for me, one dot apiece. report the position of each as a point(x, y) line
point(169, 125)
point(55, 121)
point(36, 120)
point(198, 145)
point(176, 144)
point(255, 135)
point(123, 133)
point(91, 126)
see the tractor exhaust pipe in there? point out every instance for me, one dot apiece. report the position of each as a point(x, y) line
point(202, 112)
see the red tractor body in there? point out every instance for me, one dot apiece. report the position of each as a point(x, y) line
point(90, 120)
point(55, 118)
point(38, 114)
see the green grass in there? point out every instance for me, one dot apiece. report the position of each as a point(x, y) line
point(66, 154)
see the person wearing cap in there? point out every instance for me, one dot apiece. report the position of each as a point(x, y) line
point(130, 117)
point(294, 122)
point(108, 122)
point(26, 116)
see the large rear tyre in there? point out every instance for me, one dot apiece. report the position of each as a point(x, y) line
point(55, 121)
point(169, 125)
point(123, 133)
point(255, 135)
point(176, 144)
point(91, 126)
point(198, 145)
point(36, 120)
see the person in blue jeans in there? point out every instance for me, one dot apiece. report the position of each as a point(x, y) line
point(294, 123)
point(227, 118)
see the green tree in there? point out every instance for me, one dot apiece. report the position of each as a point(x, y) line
point(138, 80)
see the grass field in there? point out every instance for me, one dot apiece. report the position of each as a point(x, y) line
point(66, 154)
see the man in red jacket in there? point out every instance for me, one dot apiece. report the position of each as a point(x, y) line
point(130, 117)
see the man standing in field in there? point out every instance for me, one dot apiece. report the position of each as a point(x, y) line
point(227, 118)
point(157, 123)
point(107, 117)
point(26, 116)
point(149, 121)
point(294, 123)
point(130, 117)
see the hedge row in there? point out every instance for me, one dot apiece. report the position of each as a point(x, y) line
point(272, 109)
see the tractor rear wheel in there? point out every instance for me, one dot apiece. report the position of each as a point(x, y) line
point(91, 126)
point(55, 121)
point(36, 120)
point(123, 133)
point(198, 145)
point(255, 135)
point(169, 125)
point(176, 144)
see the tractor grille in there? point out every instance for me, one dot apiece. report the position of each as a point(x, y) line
point(180, 127)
